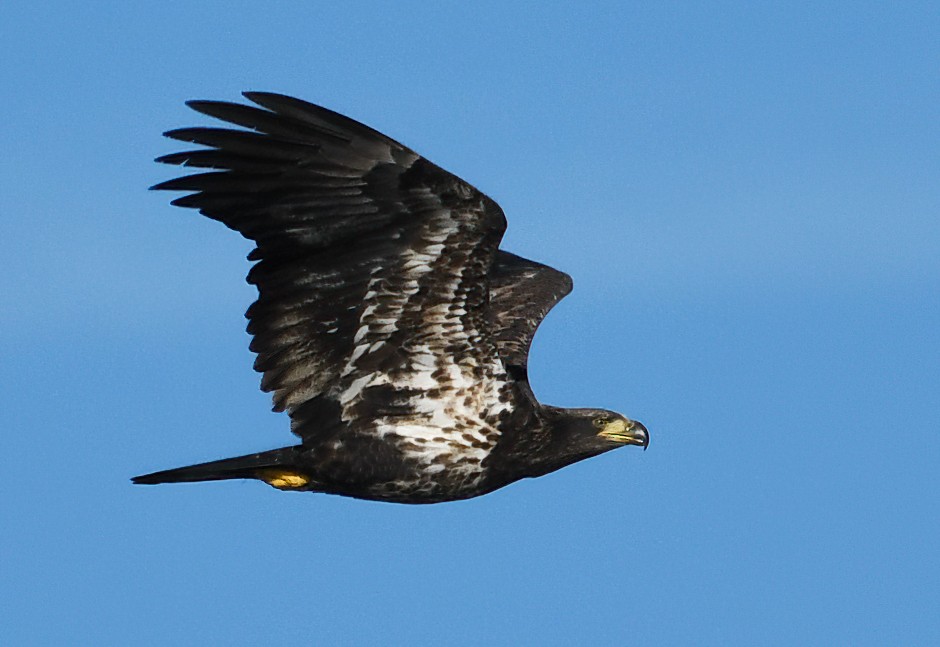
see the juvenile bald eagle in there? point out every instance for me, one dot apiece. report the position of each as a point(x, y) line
point(388, 325)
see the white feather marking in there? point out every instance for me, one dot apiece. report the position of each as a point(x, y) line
point(356, 354)
point(360, 333)
point(355, 388)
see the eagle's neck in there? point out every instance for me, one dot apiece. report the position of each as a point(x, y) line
point(545, 441)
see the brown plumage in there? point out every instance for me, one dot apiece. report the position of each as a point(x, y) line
point(388, 325)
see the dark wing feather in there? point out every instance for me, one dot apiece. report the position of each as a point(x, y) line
point(521, 294)
point(366, 250)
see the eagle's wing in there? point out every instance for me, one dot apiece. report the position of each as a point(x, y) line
point(372, 261)
point(521, 294)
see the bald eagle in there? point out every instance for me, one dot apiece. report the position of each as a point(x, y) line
point(389, 324)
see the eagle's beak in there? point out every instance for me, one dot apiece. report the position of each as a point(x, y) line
point(641, 435)
point(628, 432)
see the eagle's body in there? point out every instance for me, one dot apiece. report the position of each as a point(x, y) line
point(389, 325)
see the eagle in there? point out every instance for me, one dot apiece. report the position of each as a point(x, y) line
point(389, 324)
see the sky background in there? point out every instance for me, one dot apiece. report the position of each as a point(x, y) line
point(748, 198)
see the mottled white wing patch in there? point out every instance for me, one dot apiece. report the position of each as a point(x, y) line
point(451, 388)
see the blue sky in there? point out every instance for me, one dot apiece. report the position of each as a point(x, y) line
point(747, 197)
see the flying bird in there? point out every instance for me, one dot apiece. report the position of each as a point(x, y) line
point(389, 324)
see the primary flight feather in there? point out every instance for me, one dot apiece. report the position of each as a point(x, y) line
point(389, 324)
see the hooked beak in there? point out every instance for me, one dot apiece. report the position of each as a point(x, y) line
point(628, 432)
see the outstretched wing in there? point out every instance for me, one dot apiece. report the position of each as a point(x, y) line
point(521, 294)
point(372, 262)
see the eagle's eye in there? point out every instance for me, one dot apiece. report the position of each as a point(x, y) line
point(601, 421)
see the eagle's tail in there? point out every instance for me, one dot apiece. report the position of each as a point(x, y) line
point(267, 466)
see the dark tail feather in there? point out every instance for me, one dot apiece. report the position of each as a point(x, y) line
point(241, 467)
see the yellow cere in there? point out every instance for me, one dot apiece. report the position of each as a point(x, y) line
point(283, 479)
point(616, 428)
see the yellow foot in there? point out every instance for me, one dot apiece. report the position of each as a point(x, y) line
point(283, 479)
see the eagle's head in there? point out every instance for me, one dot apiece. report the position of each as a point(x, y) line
point(612, 428)
point(576, 434)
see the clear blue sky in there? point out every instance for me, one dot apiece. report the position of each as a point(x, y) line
point(748, 198)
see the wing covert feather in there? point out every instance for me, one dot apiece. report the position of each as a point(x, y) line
point(521, 293)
